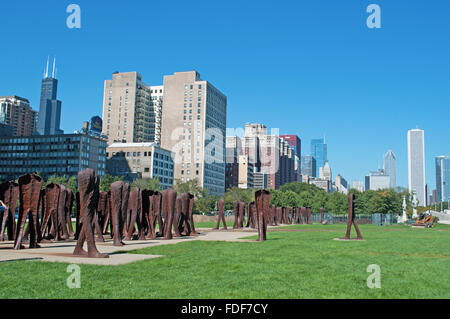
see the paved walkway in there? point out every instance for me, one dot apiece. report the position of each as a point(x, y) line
point(63, 251)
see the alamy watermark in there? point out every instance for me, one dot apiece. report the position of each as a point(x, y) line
point(374, 20)
point(74, 19)
point(74, 280)
point(374, 279)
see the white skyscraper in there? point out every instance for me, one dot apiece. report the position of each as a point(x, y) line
point(416, 164)
point(389, 167)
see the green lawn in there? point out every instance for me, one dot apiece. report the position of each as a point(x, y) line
point(414, 263)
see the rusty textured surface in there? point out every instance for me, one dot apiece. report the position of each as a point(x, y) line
point(321, 214)
point(251, 216)
point(116, 204)
point(68, 211)
point(89, 193)
point(9, 194)
point(181, 205)
point(262, 203)
point(193, 232)
point(103, 211)
point(236, 214)
point(169, 197)
point(221, 217)
point(61, 227)
point(241, 214)
point(125, 217)
point(351, 219)
point(135, 215)
point(157, 204)
point(52, 193)
point(308, 215)
point(147, 214)
point(29, 195)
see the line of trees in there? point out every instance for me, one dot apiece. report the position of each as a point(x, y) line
point(292, 194)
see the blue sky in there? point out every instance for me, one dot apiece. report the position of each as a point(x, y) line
point(306, 67)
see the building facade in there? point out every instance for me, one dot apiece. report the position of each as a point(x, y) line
point(319, 152)
point(390, 168)
point(379, 180)
point(16, 112)
point(295, 142)
point(309, 166)
point(50, 107)
point(442, 179)
point(140, 160)
point(194, 128)
point(132, 110)
point(48, 155)
point(416, 164)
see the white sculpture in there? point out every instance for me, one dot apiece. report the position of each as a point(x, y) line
point(415, 203)
point(404, 217)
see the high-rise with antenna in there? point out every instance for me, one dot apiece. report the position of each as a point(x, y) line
point(50, 108)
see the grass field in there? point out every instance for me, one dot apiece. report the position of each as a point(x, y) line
point(299, 262)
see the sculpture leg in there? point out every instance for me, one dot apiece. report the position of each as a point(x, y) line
point(88, 185)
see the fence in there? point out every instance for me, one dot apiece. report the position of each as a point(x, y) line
point(375, 219)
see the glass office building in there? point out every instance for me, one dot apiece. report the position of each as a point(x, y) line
point(442, 179)
point(319, 152)
point(48, 155)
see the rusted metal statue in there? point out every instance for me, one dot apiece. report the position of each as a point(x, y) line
point(191, 223)
point(68, 211)
point(169, 197)
point(262, 203)
point(135, 215)
point(236, 214)
point(273, 212)
point(148, 215)
point(278, 214)
point(351, 218)
point(220, 206)
point(185, 219)
point(180, 212)
point(61, 226)
point(125, 218)
point(9, 194)
point(118, 191)
point(30, 193)
point(308, 215)
point(88, 186)
point(251, 219)
point(50, 217)
point(242, 214)
point(157, 216)
point(103, 211)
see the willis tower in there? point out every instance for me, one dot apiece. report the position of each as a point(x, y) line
point(50, 107)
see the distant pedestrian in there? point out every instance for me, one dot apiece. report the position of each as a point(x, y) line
point(2, 207)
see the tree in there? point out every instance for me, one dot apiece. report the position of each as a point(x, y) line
point(152, 184)
point(68, 182)
point(107, 180)
point(243, 195)
point(191, 187)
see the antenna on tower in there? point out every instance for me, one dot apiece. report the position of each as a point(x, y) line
point(46, 70)
point(54, 64)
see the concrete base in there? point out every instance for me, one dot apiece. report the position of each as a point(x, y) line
point(63, 251)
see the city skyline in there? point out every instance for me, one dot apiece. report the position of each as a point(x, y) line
point(352, 145)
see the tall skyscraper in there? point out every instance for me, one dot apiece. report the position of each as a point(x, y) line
point(309, 166)
point(390, 168)
point(50, 107)
point(295, 142)
point(194, 128)
point(416, 164)
point(17, 113)
point(319, 152)
point(132, 110)
point(325, 172)
point(442, 179)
